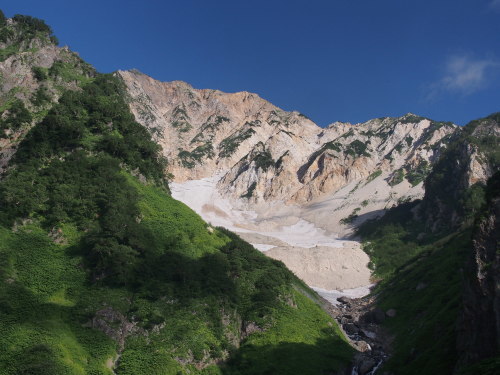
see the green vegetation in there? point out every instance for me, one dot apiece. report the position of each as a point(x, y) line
point(419, 173)
point(279, 162)
point(14, 116)
point(250, 191)
point(92, 242)
point(411, 119)
point(189, 159)
point(229, 145)
point(397, 177)
point(373, 176)
point(181, 119)
point(24, 29)
point(74, 71)
point(426, 293)
point(263, 160)
point(357, 148)
point(208, 128)
point(41, 74)
point(443, 185)
point(352, 216)
point(391, 241)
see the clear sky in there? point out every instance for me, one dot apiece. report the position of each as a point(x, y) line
point(333, 60)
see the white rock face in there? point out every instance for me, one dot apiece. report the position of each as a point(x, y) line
point(266, 156)
point(283, 183)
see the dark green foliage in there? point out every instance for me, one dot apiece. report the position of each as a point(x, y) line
point(357, 148)
point(181, 119)
point(41, 74)
point(15, 116)
point(373, 176)
point(419, 173)
point(279, 162)
point(352, 216)
point(263, 160)
point(189, 159)
point(446, 196)
point(409, 140)
point(335, 146)
point(411, 119)
point(97, 120)
point(250, 190)
point(58, 180)
point(71, 71)
point(3, 19)
point(391, 240)
point(32, 25)
point(229, 145)
point(490, 366)
point(426, 293)
point(350, 133)
point(41, 97)
point(397, 177)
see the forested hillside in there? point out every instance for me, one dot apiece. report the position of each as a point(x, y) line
point(101, 271)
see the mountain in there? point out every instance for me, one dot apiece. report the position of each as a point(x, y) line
point(438, 258)
point(266, 155)
point(101, 270)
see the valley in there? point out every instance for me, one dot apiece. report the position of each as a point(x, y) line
point(150, 227)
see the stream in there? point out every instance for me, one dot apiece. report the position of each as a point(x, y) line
point(360, 322)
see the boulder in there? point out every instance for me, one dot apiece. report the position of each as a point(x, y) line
point(351, 328)
point(344, 300)
point(391, 313)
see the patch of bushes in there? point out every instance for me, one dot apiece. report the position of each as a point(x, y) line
point(250, 191)
point(263, 160)
point(357, 148)
point(373, 176)
point(397, 177)
point(419, 173)
point(229, 145)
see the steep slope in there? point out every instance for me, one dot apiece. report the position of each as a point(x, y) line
point(34, 72)
point(103, 272)
point(438, 265)
point(262, 155)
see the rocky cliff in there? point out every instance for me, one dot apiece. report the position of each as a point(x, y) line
point(263, 154)
point(34, 72)
point(479, 323)
point(454, 189)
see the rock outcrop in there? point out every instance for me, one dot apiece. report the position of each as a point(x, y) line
point(264, 154)
point(479, 323)
point(35, 75)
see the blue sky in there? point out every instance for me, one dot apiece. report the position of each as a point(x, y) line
point(345, 60)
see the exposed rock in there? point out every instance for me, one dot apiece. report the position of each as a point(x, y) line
point(369, 334)
point(345, 300)
point(351, 329)
point(264, 154)
point(479, 323)
point(391, 313)
point(114, 324)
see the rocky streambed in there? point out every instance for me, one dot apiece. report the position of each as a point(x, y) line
point(361, 320)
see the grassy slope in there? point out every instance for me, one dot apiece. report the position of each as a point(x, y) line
point(46, 300)
point(421, 271)
point(426, 293)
